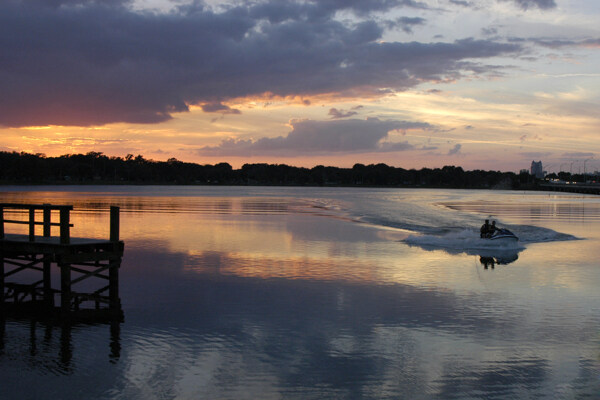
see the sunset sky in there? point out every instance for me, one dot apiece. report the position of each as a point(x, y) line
point(482, 84)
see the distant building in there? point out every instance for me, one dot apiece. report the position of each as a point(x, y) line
point(537, 170)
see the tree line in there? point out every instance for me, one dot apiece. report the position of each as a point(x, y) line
point(95, 167)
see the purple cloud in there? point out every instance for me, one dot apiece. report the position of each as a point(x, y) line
point(406, 23)
point(455, 149)
point(86, 62)
point(219, 108)
point(541, 4)
point(322, 137)
point(337, 114)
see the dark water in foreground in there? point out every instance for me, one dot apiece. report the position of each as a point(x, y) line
point(305, 293)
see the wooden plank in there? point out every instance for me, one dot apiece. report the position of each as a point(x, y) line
point(23, 206)
point(18, 221)
point(89, 274)
point(87, 257)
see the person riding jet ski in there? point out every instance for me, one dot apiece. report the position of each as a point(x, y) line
point(485, 229)
point(488, 231)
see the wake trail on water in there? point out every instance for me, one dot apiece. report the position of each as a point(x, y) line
point(461, 238)
point(429, 226)
point(464, 239)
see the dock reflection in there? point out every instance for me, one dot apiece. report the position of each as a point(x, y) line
point(50, 343)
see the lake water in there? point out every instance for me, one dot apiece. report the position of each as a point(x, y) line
point(313, 293)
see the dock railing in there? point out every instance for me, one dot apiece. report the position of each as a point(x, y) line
point(64, 223)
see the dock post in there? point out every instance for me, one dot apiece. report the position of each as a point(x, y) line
point(47, 217)
point(113, 270)
point(1, 283)
point(1, 222)
point(114, 224)
point(65, 288)
point(65, 235)
point(32, 224)
point(48, 295)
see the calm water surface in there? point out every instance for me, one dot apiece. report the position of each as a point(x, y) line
point(311, 293)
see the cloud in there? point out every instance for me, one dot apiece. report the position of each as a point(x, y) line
point(535, 155)
point(581, 155)
point(489, 31)
point(279, 11)
point(219, 107)
point(455, 149)
point(322, 137)
point(406, 23)
point(559, 43)
point(541, 4)
point(62, 3)
point(461, 3)
point(336, 114)
point(92, 63)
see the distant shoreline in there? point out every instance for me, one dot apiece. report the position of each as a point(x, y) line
point(95, 169)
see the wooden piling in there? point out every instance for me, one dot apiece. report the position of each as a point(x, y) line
point(1, 222)
point(114, 224)
point(65, 235)
point(32, 224)
point(1, 281)
point(47, 220)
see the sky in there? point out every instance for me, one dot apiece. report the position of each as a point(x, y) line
point(482, 84)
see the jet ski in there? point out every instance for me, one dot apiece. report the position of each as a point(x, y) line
point(502, 235)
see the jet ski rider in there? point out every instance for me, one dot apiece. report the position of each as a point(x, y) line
point(485, 228)
point(488, 230)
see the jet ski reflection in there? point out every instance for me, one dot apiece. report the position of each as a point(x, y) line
point(491, 259)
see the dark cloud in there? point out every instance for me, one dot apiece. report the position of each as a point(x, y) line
point(219, 108)
point(461, 3)
point(91, 62)
point(455, 149)
point(558, 43)
point(406, 23)
point(323, 137)
point(541, 4)
point(70, 3)
point(336, 114)
point(489, 31)
point(280, 11)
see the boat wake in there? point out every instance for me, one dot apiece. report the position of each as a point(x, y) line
point(466, 239)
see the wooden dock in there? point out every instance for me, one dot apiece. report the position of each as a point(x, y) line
point(77, 259)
